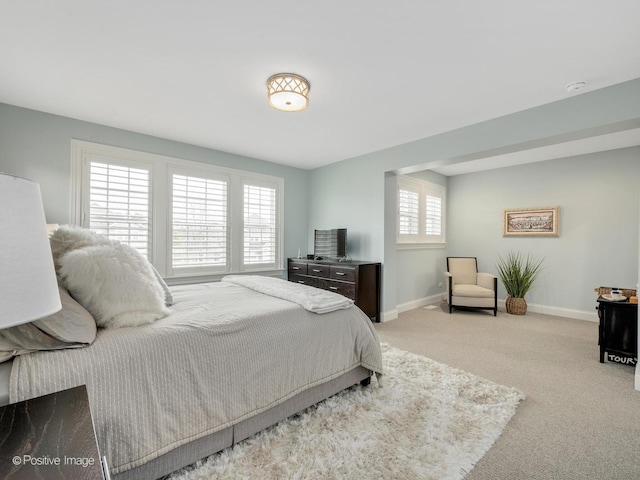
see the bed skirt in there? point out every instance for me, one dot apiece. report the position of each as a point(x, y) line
point(203, 447)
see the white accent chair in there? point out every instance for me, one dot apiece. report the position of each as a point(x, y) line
point(468, 288)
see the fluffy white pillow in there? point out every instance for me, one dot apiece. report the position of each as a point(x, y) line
point(69, 237)
point(115, 283)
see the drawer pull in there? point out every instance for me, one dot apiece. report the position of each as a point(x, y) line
point(315, 270)
point(295, 268)
point(301, 281)
point(339, 273)
point(333, 288)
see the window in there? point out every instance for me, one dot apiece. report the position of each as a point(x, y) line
point(187, 218)
point(199, 222)
point(119, 204)
point(420, 212)
point(409, 208)
point(260, 226)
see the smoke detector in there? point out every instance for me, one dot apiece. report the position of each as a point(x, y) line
point(576, 86)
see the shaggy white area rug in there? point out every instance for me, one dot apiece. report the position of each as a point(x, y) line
point(425, 421)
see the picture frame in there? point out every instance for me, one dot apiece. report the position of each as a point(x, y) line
point(531, 222)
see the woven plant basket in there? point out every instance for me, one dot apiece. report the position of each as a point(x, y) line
point(516, 306)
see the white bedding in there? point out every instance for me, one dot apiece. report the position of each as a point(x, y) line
point(224, 354)
point(312, 299)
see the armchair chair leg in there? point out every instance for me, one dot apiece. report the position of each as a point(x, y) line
point(450, 308)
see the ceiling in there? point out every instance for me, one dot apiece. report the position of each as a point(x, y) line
point(382, 73)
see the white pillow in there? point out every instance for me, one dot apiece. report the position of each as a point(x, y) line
point(71, 327)
point(115, 283)
point(69, 237)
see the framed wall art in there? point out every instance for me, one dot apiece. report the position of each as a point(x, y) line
point(531, 222)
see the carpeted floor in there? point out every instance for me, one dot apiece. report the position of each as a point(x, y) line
point(580, 419)
point(426, 421)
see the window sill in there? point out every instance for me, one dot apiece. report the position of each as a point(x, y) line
point(420, 246)
point(191, 279)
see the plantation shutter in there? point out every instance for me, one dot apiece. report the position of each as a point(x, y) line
point(409, 214)
point(119, 204)
point(433, 219)
point(199, 222)
point(260, 225)
point(421, 207)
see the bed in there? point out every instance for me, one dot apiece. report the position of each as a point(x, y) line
point(229, 360)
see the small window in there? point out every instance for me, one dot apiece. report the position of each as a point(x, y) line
point(409, 208)
point(420, 212)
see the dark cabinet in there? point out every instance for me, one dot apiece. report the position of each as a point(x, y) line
point(618, 331)
point(357, 280)
point(50, 437)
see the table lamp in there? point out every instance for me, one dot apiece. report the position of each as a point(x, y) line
point(28, 286)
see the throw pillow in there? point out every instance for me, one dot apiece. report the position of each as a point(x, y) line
point(115, 283)
point(69, 237)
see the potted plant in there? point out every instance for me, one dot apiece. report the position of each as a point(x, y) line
point(518, 274)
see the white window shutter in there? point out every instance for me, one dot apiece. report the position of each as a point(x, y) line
point(260, 225)
point(199, 222)
point(409, 212)
point(119, 204)
point(421, 207)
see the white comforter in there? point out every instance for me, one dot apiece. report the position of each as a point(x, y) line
point(224, 354)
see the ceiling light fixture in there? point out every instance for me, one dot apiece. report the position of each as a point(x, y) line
point(288, 92)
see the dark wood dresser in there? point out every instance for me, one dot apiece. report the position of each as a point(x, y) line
point(357, 280)
point(50, 437)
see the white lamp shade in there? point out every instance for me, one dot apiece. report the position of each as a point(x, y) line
point(28, 286)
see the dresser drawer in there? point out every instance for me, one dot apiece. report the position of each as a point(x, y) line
point(347, 274)
point(318, 270)
point(297, 267)
point(304, 280)
point(346, 289)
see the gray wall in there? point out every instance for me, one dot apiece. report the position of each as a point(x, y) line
point(37, 146)
point(353, 193)
point(421, 269)
point(358, 194)
point(598, 196)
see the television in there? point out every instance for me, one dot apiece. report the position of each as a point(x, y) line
point(330, 243)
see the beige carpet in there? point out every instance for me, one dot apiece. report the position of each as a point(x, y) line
point(426, 421)
point(580, 419)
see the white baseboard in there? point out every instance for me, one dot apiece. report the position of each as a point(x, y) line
point(559, 311)
point(589, 316)
point(420, 302)
point(389, 315)
point(637, 381)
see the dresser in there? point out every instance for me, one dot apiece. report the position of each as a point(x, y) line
point(357, 280)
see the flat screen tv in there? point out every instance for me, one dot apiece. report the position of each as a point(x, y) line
point(330, 243)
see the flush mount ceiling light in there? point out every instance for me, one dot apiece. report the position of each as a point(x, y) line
point(288, 92)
